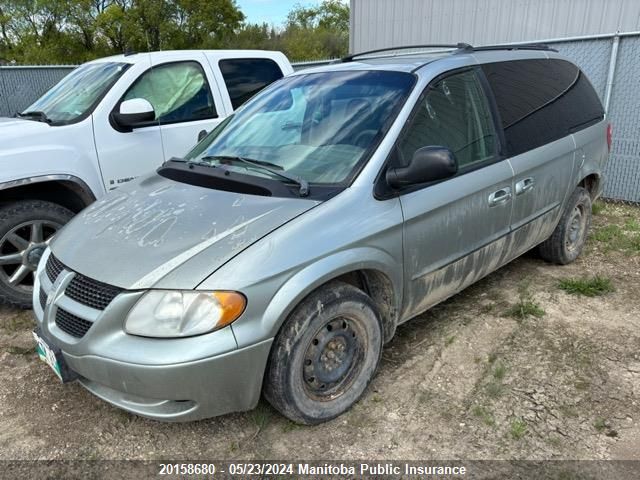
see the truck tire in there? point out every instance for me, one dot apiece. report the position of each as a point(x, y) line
point(567, 240)
point(325, 355)
point(26, 227)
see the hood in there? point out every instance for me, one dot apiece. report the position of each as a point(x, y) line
point(160, 233)
point(13, 131)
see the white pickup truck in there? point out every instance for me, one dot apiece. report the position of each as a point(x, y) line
point(107, 122)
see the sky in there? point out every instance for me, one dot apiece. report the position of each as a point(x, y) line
point(270, 11)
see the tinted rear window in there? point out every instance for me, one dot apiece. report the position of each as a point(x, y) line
point(541, 100)
point(244, 77)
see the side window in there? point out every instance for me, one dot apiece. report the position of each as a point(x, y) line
point(541, 100)
point(453, 113)
point(179, 92)
point(244, 77)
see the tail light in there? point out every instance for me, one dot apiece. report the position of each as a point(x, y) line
point(609, 136)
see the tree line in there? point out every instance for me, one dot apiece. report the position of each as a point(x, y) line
point(74, 31)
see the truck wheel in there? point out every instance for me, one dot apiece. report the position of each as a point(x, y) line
point(567, 240)
point(26, 227)
point(325, 355)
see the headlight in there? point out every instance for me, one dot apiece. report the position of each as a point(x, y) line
point(171, 314)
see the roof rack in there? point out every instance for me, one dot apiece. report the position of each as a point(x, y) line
point(458, 47)
point(523, 46)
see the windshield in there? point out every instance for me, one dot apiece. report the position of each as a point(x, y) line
point(318, 127)
point(77, 94)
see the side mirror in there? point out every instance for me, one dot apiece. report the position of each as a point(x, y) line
point(133, 113)
point(201, 135)
point(427, 165)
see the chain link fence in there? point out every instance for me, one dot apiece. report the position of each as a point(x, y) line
point(21, 85)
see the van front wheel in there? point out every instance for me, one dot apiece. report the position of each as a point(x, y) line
point(325, 355)
point(570, 235)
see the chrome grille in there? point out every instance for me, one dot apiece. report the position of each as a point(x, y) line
point(90, 292)
point(72, 324)
point(53, 268)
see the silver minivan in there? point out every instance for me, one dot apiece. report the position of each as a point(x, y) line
point(280, 254)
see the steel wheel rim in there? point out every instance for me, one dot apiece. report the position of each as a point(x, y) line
point(577, 226)
point(20, 251)
point(334, 358)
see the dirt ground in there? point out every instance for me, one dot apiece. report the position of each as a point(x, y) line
point(512, 368)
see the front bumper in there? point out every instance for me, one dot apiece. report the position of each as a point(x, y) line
point(180, 392)
point(165, 379)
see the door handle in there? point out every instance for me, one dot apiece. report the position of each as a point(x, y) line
point(524, 185)
point(499, 197)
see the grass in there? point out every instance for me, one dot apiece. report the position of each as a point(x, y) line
point(449, 340)
point(600, 424)
point(624, 238)
point(526, 306)
point(499, 371)
point(484, 414)
point(589, 287)
point(518, 428)
point(597, 207)
point(494, 389)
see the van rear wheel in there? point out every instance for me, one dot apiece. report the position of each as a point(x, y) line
point(26, 227)
point(567, 240)
point(325, 355)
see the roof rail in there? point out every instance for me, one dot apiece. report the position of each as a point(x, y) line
point(457, 46)
point(523, 46)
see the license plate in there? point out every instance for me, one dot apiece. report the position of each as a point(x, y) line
point(52, 356)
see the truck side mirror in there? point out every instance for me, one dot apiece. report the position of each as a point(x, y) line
point(428, 164)
point(133, 113)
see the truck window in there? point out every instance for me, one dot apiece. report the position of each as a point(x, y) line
point(541, 100)
point(178, 91)
point(244, 77)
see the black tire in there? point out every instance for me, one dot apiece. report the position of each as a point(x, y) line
point(19, 226)
point(567, 240)
point(338, 327)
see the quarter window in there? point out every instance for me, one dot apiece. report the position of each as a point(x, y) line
point(179, 92)
point(541, 100)
point(244, 77)
point(453, 113)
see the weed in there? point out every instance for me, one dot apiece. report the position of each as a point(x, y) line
point(518, 428)
point(600, 424)
point(260, 416)
point(289, 426)
point(499, 371)
point(615, 238)
point(632, 225)
point(589, 287)
point(597, 207)
point(484, 414)
point(449, 340)
point(494, 389)
point(12, 349)
point(377, 399)
point(526, 306)
point(492, 357)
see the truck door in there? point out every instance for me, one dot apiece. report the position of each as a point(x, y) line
point(187, 101)
point(125, 155)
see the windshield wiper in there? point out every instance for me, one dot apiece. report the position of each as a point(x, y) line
point(38, 115)
point(270, 167)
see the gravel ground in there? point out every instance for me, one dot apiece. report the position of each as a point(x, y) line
point(514, 367)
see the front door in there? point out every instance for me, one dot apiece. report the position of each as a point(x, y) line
point(455, 231)
point(183, 102)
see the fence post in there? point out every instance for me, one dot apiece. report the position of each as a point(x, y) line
point(612, 71)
